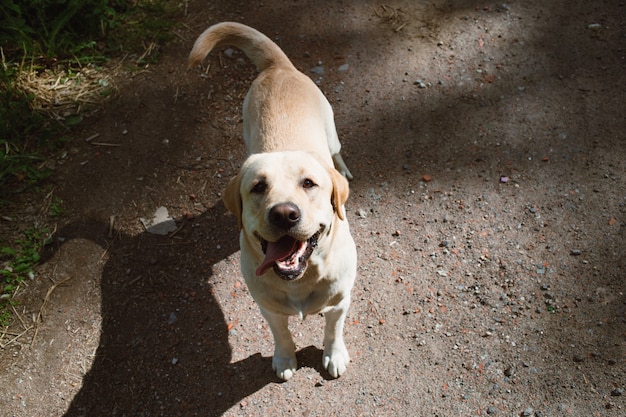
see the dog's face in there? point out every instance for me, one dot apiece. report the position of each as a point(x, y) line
point(285, 202)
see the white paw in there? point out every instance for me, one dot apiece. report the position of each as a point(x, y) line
point(336, 359)
point(285, 367)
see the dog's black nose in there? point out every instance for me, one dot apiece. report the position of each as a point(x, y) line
point(284, 215)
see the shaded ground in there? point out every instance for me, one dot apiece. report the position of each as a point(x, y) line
point(488, 208)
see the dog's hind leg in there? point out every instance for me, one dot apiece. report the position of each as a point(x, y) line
point(341, 166)
point(334, 146)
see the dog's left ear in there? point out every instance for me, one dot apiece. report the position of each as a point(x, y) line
point(341, 191)
point(232, 199)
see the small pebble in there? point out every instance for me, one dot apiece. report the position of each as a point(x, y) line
point(617, 392)
point(576, 252)
point(491, 410)
point(528, 412)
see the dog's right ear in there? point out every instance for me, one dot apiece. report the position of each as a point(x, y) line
point(232, 199)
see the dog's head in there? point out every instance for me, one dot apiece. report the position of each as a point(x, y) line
point(286, 201)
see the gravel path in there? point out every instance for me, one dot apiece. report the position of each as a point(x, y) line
point(488, 208)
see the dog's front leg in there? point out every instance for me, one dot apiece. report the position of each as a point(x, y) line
point(336, 356)
point(284, 361)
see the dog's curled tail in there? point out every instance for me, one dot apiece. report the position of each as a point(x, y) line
point(259, 48)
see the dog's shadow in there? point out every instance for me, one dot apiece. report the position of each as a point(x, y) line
point(163, 348)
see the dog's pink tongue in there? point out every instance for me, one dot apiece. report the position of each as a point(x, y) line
point(276, 251)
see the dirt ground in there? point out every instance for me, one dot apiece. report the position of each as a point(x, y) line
point(488, 207)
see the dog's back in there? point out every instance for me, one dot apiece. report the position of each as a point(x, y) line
point(284, 110)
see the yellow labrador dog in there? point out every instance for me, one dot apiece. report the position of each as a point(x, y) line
point(297, 254)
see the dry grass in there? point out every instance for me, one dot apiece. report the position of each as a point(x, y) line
point(393, 16)
point(63, 92)
point(13, 334)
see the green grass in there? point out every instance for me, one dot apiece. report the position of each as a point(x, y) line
point(26, 137)
point(22, 257)
point(39, 35)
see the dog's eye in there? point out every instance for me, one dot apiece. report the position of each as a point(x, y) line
point(259, 187)
point(307, 183)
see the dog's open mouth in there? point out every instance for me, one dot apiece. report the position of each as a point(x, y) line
point(288, 256)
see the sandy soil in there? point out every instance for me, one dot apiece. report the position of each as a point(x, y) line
point(488, 207)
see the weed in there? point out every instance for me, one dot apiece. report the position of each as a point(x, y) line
point(20, 259)
point(55, 208)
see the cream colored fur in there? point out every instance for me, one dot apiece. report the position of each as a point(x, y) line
point(293, 160)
